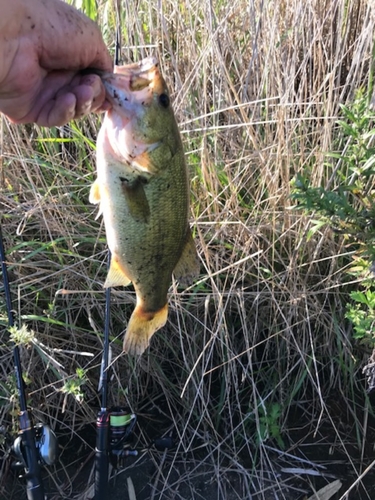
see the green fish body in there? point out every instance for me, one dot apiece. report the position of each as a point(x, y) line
point(142, 188)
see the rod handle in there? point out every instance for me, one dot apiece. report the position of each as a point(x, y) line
point(101, 456)
point(34, 488)
point(34, 483)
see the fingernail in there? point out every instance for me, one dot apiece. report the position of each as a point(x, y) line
point(71, 110)
point(85, 108)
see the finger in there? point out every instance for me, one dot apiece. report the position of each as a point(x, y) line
point(99, 102)
point(90, 95)
point(57, 112)
point(84, 94)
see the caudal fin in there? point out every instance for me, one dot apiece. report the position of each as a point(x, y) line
point(142, 325)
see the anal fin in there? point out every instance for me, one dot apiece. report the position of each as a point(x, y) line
point(116, 275)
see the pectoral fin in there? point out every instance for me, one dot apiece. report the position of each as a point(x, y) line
point(94, 197)
point(188, 265)
point(136, 199)
point(116, 275)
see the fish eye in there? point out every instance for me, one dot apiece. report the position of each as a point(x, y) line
point(164, 100)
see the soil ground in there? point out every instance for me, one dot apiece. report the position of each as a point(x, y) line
point(312, 459)
point(167, 477)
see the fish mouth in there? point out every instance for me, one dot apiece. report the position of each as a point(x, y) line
point(134, 83)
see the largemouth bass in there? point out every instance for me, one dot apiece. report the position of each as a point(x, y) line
point(143, 190)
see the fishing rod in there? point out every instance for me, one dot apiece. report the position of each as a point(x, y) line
point(115, 425)
point(35, 445)
point(102, 422)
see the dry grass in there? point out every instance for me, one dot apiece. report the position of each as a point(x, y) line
point(257, 359)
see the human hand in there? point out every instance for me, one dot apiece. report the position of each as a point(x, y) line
point(43, 46)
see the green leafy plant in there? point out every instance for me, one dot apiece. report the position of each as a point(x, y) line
point(362, 315)
point(347, 204)
point(22, 335)
point(269, 424)
point(73, 386)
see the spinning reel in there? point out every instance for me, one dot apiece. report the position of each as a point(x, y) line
point(119, 425)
